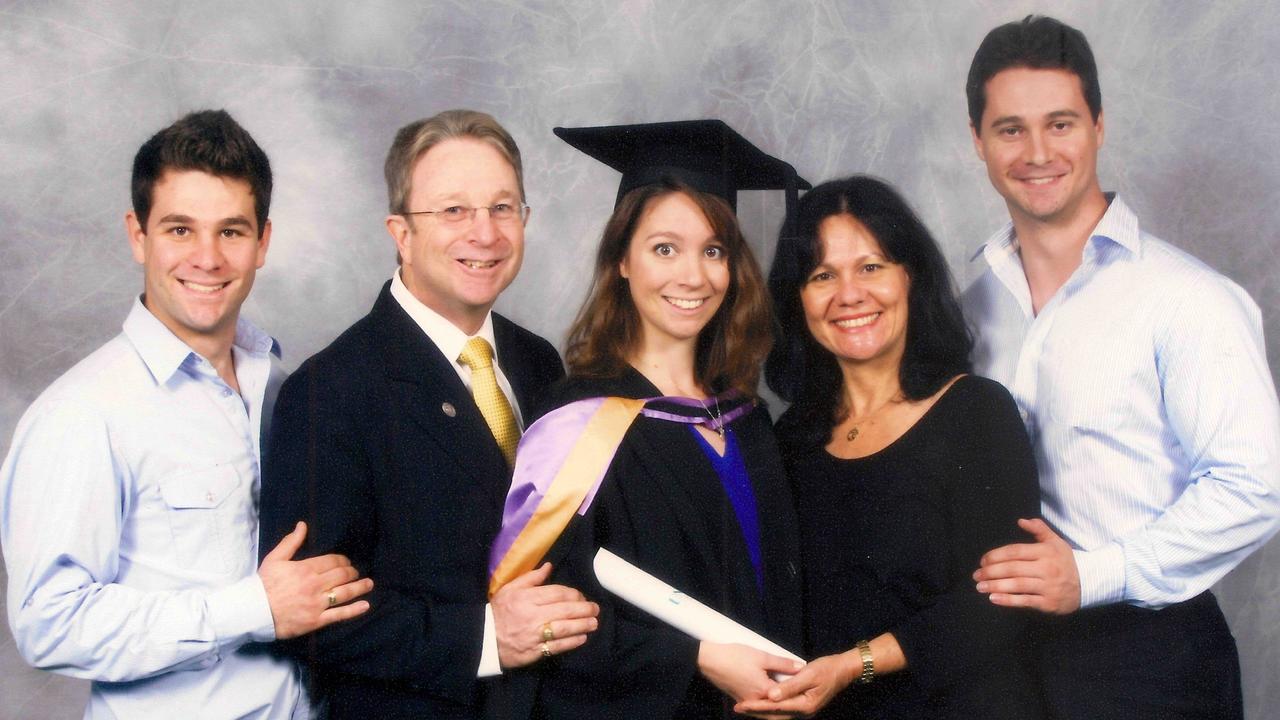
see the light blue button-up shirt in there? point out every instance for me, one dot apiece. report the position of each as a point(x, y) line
point(128, 510)
point(1144, 385)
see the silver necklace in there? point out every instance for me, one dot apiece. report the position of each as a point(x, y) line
point(719, 427)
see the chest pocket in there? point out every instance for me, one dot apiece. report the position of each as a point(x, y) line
point(202, 509)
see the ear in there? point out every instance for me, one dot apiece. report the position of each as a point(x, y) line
point(137, 237)
point(1099, 127)
point(977, 143)
point(622, 269)
point(263, 241)
point(399, 230)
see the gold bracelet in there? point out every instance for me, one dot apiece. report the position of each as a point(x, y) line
point(868, 664)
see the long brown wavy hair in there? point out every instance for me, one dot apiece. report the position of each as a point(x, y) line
point(730, 348)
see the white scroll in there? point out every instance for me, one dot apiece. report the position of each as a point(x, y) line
point(675, 608)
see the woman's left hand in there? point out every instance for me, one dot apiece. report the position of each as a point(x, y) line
point(808, 691)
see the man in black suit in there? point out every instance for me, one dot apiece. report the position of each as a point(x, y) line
point(381, 447)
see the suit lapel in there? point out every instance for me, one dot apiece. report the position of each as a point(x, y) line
point(435, 398)
point(517, 368)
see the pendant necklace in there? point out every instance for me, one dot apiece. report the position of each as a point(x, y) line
point(719, 427)
point(853, 431)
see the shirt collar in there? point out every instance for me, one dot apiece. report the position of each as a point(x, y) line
point(1118, 224)
point(439, 329)
point(163, 352)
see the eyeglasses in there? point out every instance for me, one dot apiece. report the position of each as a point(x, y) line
point(501, 212)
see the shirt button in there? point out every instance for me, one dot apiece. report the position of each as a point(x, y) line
point(209, 496)
point(226, 392)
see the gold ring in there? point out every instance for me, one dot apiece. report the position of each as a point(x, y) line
point(332, 597)
point(547, 634)
point(546, 650)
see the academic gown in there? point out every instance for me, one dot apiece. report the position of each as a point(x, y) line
point(662, 507)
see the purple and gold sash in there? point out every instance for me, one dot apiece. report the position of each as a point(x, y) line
point(560, 463)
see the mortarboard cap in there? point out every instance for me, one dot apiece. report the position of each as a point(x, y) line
point(707, 155)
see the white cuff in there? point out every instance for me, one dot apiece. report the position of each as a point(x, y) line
point(489, 664)
point(240, 612)
point(1101, 575)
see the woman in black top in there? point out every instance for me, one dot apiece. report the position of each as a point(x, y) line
point(905, 471)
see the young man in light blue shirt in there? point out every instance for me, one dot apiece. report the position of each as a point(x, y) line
point(129, 499)
point(1142, 378)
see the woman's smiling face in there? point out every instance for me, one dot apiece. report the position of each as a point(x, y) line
point(855, 300)
point(676, 268)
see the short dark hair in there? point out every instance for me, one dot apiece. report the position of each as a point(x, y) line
point(938, 342)
point(1037, 42)
point(607, 329)
point(209, 141)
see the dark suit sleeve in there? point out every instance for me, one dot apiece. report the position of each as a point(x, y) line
point(963, 645)
point(321, 467)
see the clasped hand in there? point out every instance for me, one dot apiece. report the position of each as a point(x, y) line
point(741, 672)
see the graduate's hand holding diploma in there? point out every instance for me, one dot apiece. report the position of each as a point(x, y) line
point(742, 663)
point(741, 672)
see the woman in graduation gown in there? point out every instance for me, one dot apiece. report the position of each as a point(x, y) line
point(905, 468)
point(695, 493)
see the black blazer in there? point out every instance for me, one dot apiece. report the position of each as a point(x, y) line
point(378, 445)
point(661, 506)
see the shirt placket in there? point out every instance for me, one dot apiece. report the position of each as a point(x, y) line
point(233, 409)
point(1031, 357)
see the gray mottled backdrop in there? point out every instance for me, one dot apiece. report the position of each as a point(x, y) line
point(1193, 143)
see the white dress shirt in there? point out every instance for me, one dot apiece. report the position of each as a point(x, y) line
point(128, 509)
point(1145, 388)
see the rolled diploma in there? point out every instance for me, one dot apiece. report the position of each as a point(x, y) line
point(675, 608)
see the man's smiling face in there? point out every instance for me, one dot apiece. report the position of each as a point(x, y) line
point(200, 251)
point(458, 269)
point(1040, 143)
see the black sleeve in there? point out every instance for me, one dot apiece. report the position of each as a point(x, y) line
point(633, 665)
point(320, 468)
point(963, 645)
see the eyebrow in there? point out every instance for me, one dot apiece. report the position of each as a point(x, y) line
point(178, 219)
point(1056, 114)
point(457, 197)
point(709, 240)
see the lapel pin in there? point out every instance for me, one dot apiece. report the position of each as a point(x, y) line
point(448, 409)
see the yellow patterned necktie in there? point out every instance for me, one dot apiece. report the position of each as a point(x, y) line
point(493, 404)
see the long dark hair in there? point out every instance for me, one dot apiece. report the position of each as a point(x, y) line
point(729, 349)
point(938, 342)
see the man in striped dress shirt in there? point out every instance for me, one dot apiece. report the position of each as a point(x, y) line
point(1142, 378)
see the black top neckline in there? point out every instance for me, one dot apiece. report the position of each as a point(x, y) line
point(906, 434)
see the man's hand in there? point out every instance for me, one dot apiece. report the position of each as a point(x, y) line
point(742, 672)
point(299, 591)
point(809, 690)
point(1040, 575)
point(524, 606)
